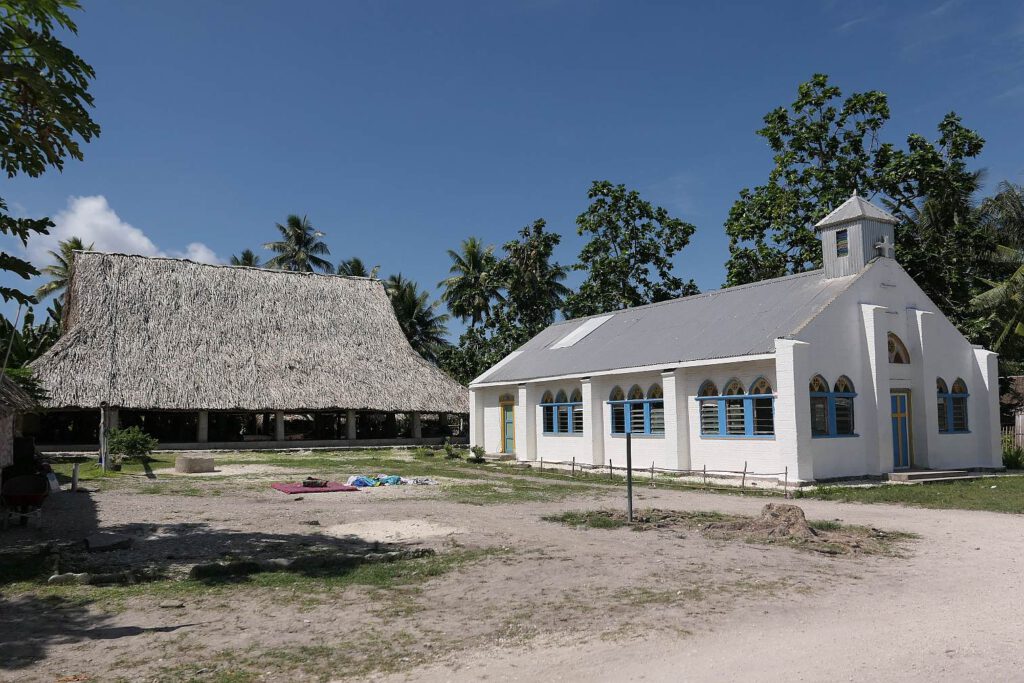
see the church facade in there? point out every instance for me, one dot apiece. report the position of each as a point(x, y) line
point(841, 372)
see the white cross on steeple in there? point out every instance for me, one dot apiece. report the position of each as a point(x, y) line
point(885, 247)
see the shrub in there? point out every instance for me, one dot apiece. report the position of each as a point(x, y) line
point(1013, 454)
point(450, 451)
point(423, 452)
point(129, 444)
point(478, 454)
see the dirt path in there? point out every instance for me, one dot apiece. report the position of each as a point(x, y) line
point(952, 612)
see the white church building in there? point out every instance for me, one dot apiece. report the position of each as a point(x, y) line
point(846, 371)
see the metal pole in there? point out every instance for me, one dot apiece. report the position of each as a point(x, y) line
point(785, 484)
point(574, 465)
point(629, 475)
point(609, 469)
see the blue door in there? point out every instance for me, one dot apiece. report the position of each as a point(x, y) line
point(901, 436)
point(508, 428)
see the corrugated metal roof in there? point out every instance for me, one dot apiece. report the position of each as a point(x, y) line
point(854, 208)
point(737, 321)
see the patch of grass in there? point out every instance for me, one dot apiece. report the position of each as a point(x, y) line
point(995, 494)
point(510, 490)
point(595, 519)
point(824, 524)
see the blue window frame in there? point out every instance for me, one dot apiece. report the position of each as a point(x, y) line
point(736, 413)
point(635, 413)
point(952, 405)
point(842, 243)
point(832, 410)
point(561, 415)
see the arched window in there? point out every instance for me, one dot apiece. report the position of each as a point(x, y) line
point(655, 392)
point(943, 404)
point(898, 353)
point(709, 420)
point(576, 405)
point(635, 408)
point(832, 409)
point(762, 402)
point(735, 422)
point(560, 413)
point(635, 393)
point(656, 409)
point(617, 400)
point(952, 406)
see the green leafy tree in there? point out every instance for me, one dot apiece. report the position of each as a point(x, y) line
point(824, 148)
point(247, 258)
point(300, 247)
point(1005, 298)
point(425, 329)
point(355, 267)
point(61, 269)
point(471, 287)
point(44, 109)
point(629, 258)
point(532, 293)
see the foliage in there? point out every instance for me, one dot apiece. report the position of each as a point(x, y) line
point(425, 329)
point(62, 268)
point(1013, 454)
point(247, 258)
point(130, 443)
point(629, 258)
point(478, 454)
point(449, 450)
point(44, 111)
point(354, 267)
point(31, 340)
point(824, 148)
point(300, 247)
point(472, 285)
point(531, 294)
point(1003, 300)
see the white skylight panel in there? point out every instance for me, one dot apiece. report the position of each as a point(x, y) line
point(580, 332)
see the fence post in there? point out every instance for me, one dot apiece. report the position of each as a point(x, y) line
point(574, 466)
point(743, 484)
point(785, 483)
point(74, 477)
point(705, 474)
point(542, 464)
point(629, 475)
point(652, 473)
point(609, 469)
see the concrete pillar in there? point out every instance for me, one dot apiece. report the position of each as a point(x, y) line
point(203, 427)
point(677, 419)
point(877, 431)
point(417, 428)
point(793, 409)
point(986, 404)
point(924, 409)
point(593, 421)
point(476, 418)
point(279, 425)
point(350, 425)
point(526, 409)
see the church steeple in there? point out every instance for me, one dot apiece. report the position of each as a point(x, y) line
point(854, 234)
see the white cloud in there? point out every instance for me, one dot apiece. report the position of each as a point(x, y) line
point(94, 221)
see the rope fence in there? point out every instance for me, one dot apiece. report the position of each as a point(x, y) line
point(703, 473)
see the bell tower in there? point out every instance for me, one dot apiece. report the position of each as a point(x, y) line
point(853, 235)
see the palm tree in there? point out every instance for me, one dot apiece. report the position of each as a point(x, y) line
point(1004, 211)
point(300, 247)
point(1006, 298)
point(422, 326)
point(62, 268)
point(471, 287)
point(356, 268)
point(246, 258)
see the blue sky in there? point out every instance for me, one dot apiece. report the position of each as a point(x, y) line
point(400, 128)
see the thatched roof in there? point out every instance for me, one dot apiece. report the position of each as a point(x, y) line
point(13, 398)
point(157, 333)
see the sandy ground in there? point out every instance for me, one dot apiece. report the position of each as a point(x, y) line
point(551, 603)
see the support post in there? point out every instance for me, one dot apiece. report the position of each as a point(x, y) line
point(279, 425)
point(743, 484)
point(203, 427)
point(417, 427)
point(350, 425)
point(103, 435)
point(629, 476)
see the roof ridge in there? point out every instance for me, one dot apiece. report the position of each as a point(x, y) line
point(223, 265)
point(691, 297)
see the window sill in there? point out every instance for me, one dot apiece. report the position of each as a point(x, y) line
point(732, 437)
point(639, 436)
point(835, 436)
point(561, 434)
point(959, 431)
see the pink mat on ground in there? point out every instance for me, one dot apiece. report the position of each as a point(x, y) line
point(299, 488)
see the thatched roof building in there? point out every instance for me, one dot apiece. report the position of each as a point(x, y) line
point(166, 334)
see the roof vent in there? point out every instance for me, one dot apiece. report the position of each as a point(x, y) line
point(580, 332)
